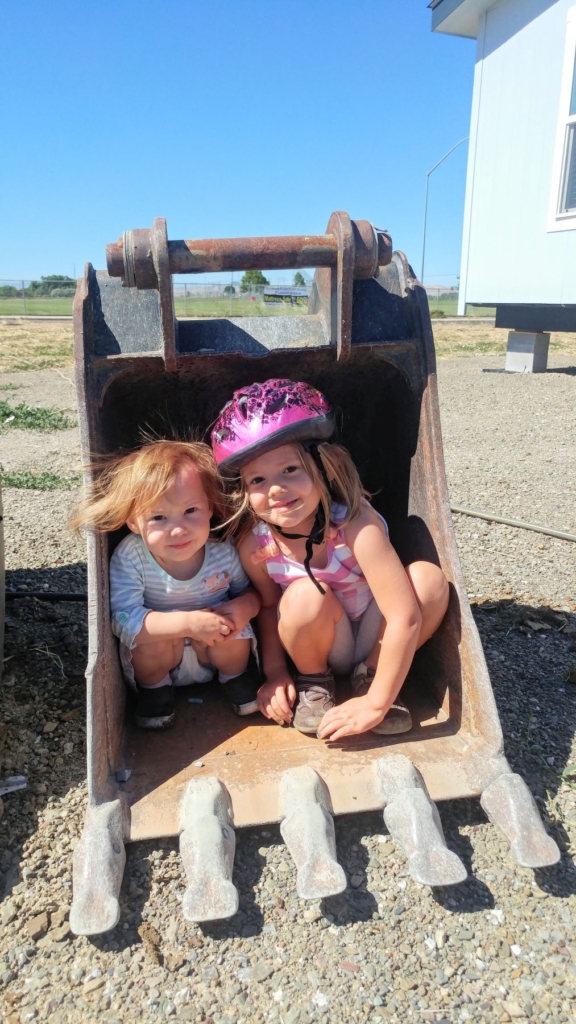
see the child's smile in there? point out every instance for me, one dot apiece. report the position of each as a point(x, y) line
point(176, 529)
point(280, 490)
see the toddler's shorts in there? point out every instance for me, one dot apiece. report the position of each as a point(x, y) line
point(190, 670)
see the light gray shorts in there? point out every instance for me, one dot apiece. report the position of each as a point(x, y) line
point(354, 640)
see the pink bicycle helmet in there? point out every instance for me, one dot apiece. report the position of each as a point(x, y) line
point(265, 416)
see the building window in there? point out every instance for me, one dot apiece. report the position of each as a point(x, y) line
point(562, 215)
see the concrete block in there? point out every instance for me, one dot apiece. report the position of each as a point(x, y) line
point(307, 828)
point(414, 823)
point(207, 845)
point(509, 804)
point(97, 870)
point(527, 352)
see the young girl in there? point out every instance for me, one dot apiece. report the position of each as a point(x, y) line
point(335, 596)
point(181, 604)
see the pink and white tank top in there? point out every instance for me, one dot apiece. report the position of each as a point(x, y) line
point(342, 572)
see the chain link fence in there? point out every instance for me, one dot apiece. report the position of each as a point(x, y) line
point(53, 296)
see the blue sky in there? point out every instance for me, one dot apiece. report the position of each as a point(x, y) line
point(229, 118)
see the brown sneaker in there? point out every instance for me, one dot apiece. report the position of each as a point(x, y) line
point(397, 719)
point(315, 698)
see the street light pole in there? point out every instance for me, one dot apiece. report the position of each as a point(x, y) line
point(428, 173)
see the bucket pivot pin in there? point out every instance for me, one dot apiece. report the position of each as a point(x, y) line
point(98, 866)
point(207, 845)
point(307, 828)
point(414, 823)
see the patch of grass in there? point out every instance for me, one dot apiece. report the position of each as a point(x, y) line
point(43, 305)
point(238, 305)
point(11, 387)
point(29, 345)
point(29, 417)
point(39, 481)
point(462, 339)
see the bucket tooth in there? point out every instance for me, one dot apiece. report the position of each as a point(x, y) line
point(207, 845)
point(414, 823)
point(98, 866)
point(307, 828)
point(510, 805)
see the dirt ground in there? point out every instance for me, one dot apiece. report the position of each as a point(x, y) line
point(496, 948)
point(40, 344)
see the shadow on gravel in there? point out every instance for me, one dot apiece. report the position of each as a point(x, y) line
point(43, 706)
point(530, 652)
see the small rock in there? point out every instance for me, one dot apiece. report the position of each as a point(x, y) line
point(513, 1009)
point(8, 913)
point(50, 727)
point(57, 917)
point(70, 716)
point(93, 984)
point(347, 965)
point(440, 938)
point(356, 881)
point(261, 971)
point(38, 926)
point(312, 914)
point(60, 933)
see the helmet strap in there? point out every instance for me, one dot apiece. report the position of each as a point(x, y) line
point(315, 537)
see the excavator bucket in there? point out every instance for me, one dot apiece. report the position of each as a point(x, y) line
point(366, 341)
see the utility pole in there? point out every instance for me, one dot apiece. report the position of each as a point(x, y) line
point(428, 173)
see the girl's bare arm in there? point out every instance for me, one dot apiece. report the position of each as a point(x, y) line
point(395, 598)
point(206, 626)
point(277, 695)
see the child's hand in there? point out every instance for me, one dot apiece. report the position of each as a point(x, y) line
point(210, 628)
point(240, 610)
point(276, 697)
point(349, 719)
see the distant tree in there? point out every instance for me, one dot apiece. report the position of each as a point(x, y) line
point(229, 290)
point(299, 281)
point(252, 278)
point(53, 282)
point(8, 291)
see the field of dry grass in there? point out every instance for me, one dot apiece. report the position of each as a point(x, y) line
point(40, 344)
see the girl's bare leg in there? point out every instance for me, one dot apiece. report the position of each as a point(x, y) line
point(229, 656)
point(431, 590)
point(151, 662)
point(307, 624)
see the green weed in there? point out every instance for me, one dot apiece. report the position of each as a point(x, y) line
point(29, 417)
point(39, 481)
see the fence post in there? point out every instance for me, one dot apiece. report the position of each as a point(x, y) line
point(24, 298)
point(185, 299)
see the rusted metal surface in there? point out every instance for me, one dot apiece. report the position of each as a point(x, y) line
point(367, 343)
point(133, 257)
point(2, 588)
point(342, 227)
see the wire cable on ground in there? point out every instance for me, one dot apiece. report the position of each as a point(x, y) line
point(513, 522)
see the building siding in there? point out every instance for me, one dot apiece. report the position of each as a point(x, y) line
point(508, 255)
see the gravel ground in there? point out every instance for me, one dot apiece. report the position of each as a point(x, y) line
point(497, 948)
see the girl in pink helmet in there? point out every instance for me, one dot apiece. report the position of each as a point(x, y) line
point(335, 596)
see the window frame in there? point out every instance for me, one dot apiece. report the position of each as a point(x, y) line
point(559, 219)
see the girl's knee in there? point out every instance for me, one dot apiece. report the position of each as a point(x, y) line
point(160, 651)
point(302, 602)
point(429, 584)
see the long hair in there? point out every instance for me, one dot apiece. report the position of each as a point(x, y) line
point(344, 487)
point(127, 485)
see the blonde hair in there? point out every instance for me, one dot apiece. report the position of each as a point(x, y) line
point(345, 487)
point(127, 485)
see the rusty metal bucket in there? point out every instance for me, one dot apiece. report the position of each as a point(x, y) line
point(367, 342)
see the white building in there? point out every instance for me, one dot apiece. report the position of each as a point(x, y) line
point(519, 237)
